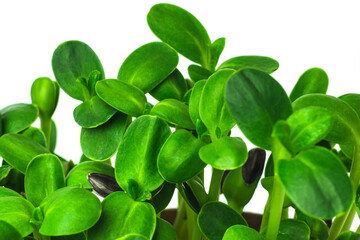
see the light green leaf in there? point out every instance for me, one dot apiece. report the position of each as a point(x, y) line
point(45, 95)
point(264, 64)
point(7, 231)
point(241, 232)
point(35, 134)
point(17, 117)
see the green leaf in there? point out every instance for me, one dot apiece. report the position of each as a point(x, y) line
point(216, 49)
point(78, 175)
point(181, 30)
point(216, 217)
point(148, 66)
point(4, 171)
point(214, 112)
point(174, 86)
point(43, 176)
point(148, 134)
point(290, 226)
point(174, 112)
point(121, 215)
point(79, 236)
point(73, 60)
point(69, 211)
point(241, 232)
point(7, 231)
point(164, 231)
point(45, 95)
point(35, 134)
point(264, 64)
point(198, 73)
point(357, 201)
point(346, 123)
point(256, 101)
point(194, 101)
point(93, 113)
point(162, 196)
point(314, 80)
point(226, 153)
point(353, 99)
point(317, 182)
point(319, 229)
point(121, 96)
point(15, 181)
point(178, 159)
point(133, 237)
point(7, 192)
point(102, 142)
point(348, 235)
point(17, 117)
point(18, 150)
point(17, 211)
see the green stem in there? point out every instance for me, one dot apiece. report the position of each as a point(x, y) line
point(190, 221)
point(358, 229)
point(46, 128)
point(215, 183)
point(235, 205)
point(265, 218)
point(349, 219)
point(39, 236)
point(285, 213)
point(180, 216)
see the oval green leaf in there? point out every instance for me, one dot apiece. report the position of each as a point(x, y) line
point(93, 113)
point(35, 134)
point(241, 232)
point(289, 227)
point(72, 60)
point(216, 217)
point(317, 183)
point(178, 159)
point(7, 231)
point(194, 101)
point(43, 176)
point(121, 96)
point(181, 30)
point(174, 112)
point(18, 150)
point(162, 196)
point(257, 101)
point(102, 142)
point(314, 80)
point(148, 134)
point(69, 211)
point(164, 231)
point(17, 117)
point(121, 215)
point(264, 64)
point(148, 66)
point(198, 73)
point(348, 235)
point(226, 153)
point(174, 86)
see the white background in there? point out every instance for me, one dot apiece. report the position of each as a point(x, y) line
point(298, 34)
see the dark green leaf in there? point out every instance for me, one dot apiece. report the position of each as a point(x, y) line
point(73, 60)
point(290, 227)
point(148, 66)
point(198, 73)
point(181, 30)
point(174, 112)
point(317, 182)
point(102, 142)
point(164, 231)
point(17, 117)
point(264, 64)
point(314, 80)
point(319, 229)
point(121, 96)
point(178, 159)
point(161, 198)
point(121, 215)
point(257, 101)
point(241, 232)
point(4, 171)
point(7, 231)
point(79, 236)
point(18, 150)
point(69, 211)
point(216, 217)
point(174, 86)
point(348, 235)
point(148, 133)
point(93, 113)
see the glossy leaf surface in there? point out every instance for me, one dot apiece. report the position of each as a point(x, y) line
point(226, 153)
point(161, 199)
point(174, 112)
point(121, 96)
point(121, 215)
point(148, 66)
point(241, 232)
point(133, 237)
point(320, 174)
point(45, 95)
point(69, 211)
point(314, 80)
point(194, 101)
point(7, 231)
point(216, 217)
point(35, 134)
point(44, 175)
point(346, 125)
point(256, 101)
point(181, 30)
point(264, 64)
point(93, 113)
point(164, 230)
point(17, 117)
point(216, 49)
point(4, 171)
point(78, 175)
point(348, 235)
point(213, 109)
point(72, 60)
point(198, 73)
point(290, 226)
point(178, 159)
point(18, 150)
point(102, 142)
point(174, 86)
point(148, 134)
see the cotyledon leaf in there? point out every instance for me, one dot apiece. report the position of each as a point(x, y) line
point(7, 231)
point(198, 73)
point(17, 117)
point(164, 230)
point(35, 134)
point(72, 60)
point(148, 66)
point(241, 232)
point(194, 101)
point(265, 64)
point(348, 235)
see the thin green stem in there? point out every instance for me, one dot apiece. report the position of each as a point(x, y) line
point(358, 229)
point(235, 205)
point(285, 213)
point(265, 218)
point(39, 236)
point(190, 221)
point(349, 219)
point(215, 183)
point(45, 124)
